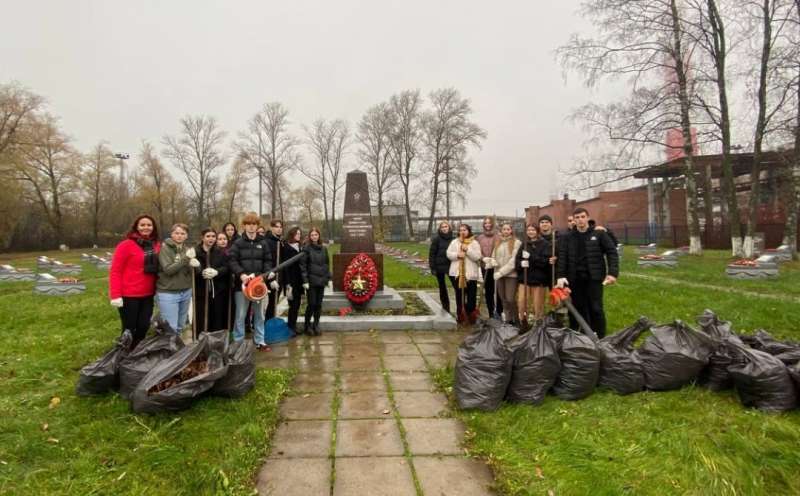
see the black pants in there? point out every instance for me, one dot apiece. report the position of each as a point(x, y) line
point(135, 315)
point(471, 293)
point(314, 304)
point(493, 302)
point(587, 296)
point(272, 302)
point(444, 295)
point(294, 306)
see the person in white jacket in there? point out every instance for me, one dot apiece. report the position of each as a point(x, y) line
point(505, 275)
point(464, 254)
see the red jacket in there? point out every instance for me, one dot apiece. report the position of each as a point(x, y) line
point(127, 276)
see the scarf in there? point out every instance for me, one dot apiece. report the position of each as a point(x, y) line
point(150, 256)
point(462, 266)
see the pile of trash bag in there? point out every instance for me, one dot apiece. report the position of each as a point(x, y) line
point(162, 373)
point(498, 362)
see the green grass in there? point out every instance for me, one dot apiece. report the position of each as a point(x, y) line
point(690, 441)
point(96, 445)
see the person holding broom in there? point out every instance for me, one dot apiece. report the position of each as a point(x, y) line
point(503, 260)
point(211, 284)
point(465, 255)
point(177, 260)
point(532, 265)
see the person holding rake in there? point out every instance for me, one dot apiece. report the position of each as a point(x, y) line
point(532, 263)
point(465, 254)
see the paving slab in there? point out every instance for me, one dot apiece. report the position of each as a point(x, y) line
point(401, 349)
point(362, 349)
point(420, 403)
point(295, 477)
point(404, 363)
point(365, 404)
point(302, 439)
point(307, 406)
point(266, 362)
point(325, 339)
point(314, 383)
point(395, 337)
point(318, 364)
point(360, 363)
point(453, 476)
point(362, 381)
point(410, 381)
point(427, 336)
point(318, 350)
point(434, 436)
point(373, 477)
point(368, 438)
point(434, 348)
point(438, 361)
point(280, 351)
point(358, 337)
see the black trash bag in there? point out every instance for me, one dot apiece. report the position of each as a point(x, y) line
point(787, 351)
point(794, 372)
point(483, 369)
point(620, 366)
point(673, 356)
point(150, 352)
point(102, 375)
point(536, 366)
point(580, 366)
point(715, 375)
point(241, 375)
point(789, 357)
point(174, 383)
point(762, 381)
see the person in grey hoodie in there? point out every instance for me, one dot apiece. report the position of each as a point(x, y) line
point(177, 260)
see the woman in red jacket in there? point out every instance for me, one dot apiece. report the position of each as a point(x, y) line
point(132, 280)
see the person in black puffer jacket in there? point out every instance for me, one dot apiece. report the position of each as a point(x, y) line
point(316, 274)
point(276, 248)
point(439, 263)
point(587, 261)
point(214, 274)
point(292, 276)
point(249, 258)
point(533, 260)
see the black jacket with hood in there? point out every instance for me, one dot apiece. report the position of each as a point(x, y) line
point(437, 254)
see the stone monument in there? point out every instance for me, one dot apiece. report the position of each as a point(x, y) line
point(357, 235)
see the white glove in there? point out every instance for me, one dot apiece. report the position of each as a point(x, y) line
point(289, 292)
point(526, 254)
point(305, 286)
point(210, 273)
point(116, 303)
point(562, 281)
point(487, 262)
point(274, 285)
point(191, 253)
point(525, 264)
point(270, 276)
point(193, 262)
point(497, 276)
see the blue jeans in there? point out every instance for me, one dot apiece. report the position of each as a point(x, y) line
point(174, 307)
point(242, 305)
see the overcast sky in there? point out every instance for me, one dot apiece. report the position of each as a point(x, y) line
point(127, 71)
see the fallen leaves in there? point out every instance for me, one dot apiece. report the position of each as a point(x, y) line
point(52, 440)
point(539, 473)
point(45, 426)
point(54, 402)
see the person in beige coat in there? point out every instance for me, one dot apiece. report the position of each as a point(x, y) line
point(505, 275)
point(464, 254)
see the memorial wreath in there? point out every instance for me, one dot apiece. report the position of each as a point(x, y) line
point(360, 279)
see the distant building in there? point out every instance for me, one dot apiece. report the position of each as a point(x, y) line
point(395, 226)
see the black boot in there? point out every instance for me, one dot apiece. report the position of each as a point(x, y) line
point(317, 312)
point(307, 324)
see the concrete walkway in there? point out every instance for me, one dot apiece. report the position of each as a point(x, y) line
point(364, 418)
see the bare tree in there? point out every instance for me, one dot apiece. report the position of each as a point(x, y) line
point(328, 142)
point(405, 142)
point(268, 144)
point(96, 182)
point(459, 172)
point(375, 153)
point(640, 40)
point(791, 176)
point(309, 205)
point(16, 104)
point(197, 152)
point(235, 189)
point(156, 181)
point(47, 164)
point(446, 128)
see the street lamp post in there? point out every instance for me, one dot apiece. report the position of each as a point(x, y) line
point(122, 158)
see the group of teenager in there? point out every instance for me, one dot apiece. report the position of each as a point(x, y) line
point(212, 275)
point(518, 274)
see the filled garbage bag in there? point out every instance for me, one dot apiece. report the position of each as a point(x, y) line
point(483, 369)
point(673, 356)
point(150, 352)
point(102, 375)
point(580, 366)
point(762, 380)
point(177, 380)
point(715, 375)
point(786, 351)
point(241, 375)
point(535, 366)
point(620, 366)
